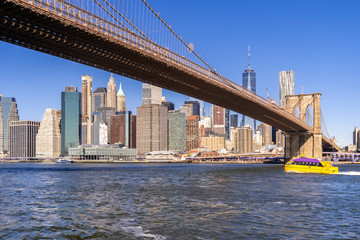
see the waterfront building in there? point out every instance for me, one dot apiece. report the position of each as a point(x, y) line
point(151, 128)
point(194, 107)
point(99, 98)
point(48, 138)
point(249, 82)
point(177, 130)
point(123, 129)
point(244, 139)
point(121, 100)
point(221, 125)
point(22, 141)
point(87, 109)
point(151, 94)
point(286, 85)
point(111, 93)
point(70, 119)
point(103, 153)
point(213, 143)
point(192, 132)
point(8, 112)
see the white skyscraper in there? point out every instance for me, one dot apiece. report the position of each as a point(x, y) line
point(87, 106)
point(48, 138)
point(152, 94)
point(286, 85)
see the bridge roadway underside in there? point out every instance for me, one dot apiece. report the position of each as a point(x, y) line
point(54, 35)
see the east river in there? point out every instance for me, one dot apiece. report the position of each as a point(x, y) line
point(176, 201)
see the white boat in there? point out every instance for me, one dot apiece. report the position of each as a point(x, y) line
point(64, 160)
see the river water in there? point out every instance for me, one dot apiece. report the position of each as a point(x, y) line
point(176, 201)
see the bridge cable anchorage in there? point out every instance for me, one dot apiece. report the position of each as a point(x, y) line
point(188, 48)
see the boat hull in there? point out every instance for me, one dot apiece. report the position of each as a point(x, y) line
point(311, 169)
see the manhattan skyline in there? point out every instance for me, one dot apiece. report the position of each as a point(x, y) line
point(317, 40)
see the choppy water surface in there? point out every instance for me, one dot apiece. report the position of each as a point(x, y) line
point(170, 201)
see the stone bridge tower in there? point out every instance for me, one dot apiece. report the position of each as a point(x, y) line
point(307, 144)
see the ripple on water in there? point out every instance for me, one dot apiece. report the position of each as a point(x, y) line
point(176, 202)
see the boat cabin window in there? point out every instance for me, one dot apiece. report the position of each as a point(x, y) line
point(308, 164)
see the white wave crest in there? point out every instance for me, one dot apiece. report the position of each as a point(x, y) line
point(351, 173)
point(138, 231)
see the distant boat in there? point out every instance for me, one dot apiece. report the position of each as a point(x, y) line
point(65, 160)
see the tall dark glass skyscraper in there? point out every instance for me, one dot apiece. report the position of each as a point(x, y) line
point(249, 82)
point(70, 119)
point(8, 112)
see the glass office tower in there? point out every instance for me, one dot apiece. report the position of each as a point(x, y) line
point(8, 112)
point(70, 119)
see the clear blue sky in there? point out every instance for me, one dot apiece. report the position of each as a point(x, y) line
point(319, 40)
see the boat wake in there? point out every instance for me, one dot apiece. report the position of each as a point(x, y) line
point(350, 173)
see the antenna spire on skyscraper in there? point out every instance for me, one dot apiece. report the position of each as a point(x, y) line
point(249, 58)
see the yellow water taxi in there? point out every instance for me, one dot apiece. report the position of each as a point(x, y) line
point(310, 165)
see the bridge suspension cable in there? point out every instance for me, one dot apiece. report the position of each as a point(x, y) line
point(148, 24)
point(323, 126)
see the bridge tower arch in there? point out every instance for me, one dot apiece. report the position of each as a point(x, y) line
point(308, 144)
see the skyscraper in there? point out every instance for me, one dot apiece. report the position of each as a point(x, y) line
point(99, 98)
point(195, 107)
point(8, 112)
point(48, 138)
point(202, 106)
point(151, 121)
point(169, 105)
point(151, 128)
point(111, 93)
point(249, 82)
point(286, 85)
point(244, 139)
point(151, 94)
point(192, 132)
point(121, 100)
point(123, 129)
point(355, 136)
point(87, 107)
point(22, 140)
point(70, 119)
point(234, 120)
point(177, 130)
point(221, 124)
point(102, 115)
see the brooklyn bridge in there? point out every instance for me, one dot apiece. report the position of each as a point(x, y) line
point(98, 33)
